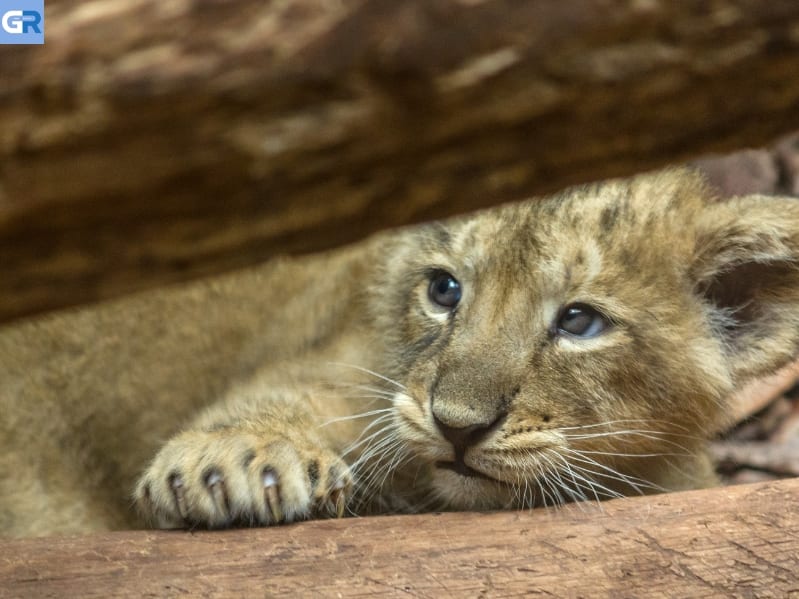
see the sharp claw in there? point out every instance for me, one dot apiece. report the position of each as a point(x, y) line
point(272, 494)
point(338, 499)
point(215, 484)
point(178, 492)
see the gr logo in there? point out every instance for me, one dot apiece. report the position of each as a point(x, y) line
point(22, 22)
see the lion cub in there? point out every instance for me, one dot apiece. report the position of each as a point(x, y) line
point(564, 349)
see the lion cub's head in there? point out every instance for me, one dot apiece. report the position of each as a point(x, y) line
point(582, 346)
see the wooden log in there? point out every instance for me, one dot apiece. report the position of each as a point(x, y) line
point(733, 541)
point(152, 141)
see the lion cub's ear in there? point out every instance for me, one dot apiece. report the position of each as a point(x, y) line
point(746, 268)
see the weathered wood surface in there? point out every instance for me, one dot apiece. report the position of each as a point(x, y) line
point(734, 541)
point(151, 141)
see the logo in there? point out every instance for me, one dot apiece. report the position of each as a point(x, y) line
point(22, 22)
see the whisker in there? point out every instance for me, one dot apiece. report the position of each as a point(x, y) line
point(596, 488)
point(391, 451)
point(642, 433)
point(370, 372)
point(354, 392)
point(631, 455)
point(613, 474)
point(356, 416)
point(371, 450)
point(658, 436)
point(360, 441)
point(624, 421)
point(576, 474)
point(574, 493)
point(342, 385)
point(376, 444)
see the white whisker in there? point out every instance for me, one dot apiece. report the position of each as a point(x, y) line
point(370, 372)
point(612, 474)
point(357, 416)
point(574, 493)
point(360, 441)
point(626, 421)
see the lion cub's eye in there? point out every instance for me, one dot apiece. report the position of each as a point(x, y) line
point(444, 290)
point(580, 320)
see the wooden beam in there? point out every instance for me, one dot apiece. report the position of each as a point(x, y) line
point(733, 541)
point(148, 142)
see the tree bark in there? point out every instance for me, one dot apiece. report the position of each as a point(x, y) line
point(150, 141)
point(734, 541)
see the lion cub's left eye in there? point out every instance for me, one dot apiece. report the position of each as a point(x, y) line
point(580, 320)
point(444, 290)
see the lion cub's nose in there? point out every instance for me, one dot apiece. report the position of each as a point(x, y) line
point(463, 437)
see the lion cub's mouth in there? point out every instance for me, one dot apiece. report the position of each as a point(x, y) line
point(461, 468)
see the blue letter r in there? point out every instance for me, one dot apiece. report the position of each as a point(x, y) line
point(30, 21)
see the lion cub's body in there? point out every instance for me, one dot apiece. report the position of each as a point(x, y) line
point(88, 396)
point(263, 370)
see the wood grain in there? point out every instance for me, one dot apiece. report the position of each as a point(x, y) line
point(735, 541)
point(149, 141)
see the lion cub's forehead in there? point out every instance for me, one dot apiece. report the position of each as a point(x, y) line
point(589, 231)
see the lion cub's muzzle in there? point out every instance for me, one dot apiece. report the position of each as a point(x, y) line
point(464, 437)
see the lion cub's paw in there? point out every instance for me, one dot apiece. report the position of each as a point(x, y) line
point(219, 479)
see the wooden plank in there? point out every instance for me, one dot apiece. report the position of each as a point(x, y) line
point(148, 142)
point(732, 541)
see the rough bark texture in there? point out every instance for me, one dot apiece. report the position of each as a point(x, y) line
point(736, 541)
point(149, 141)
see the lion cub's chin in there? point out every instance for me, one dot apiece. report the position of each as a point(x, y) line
point(461, 492)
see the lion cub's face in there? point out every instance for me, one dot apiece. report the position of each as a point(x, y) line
point(582, 346)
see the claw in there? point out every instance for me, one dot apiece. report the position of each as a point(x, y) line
point(178, 492)
point(337, 496)
point(272, 494)
point(215, 484)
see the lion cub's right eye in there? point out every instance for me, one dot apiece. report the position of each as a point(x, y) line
point(444, 290)
point(580, 320)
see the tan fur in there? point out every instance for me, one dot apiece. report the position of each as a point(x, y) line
point(307, 387)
